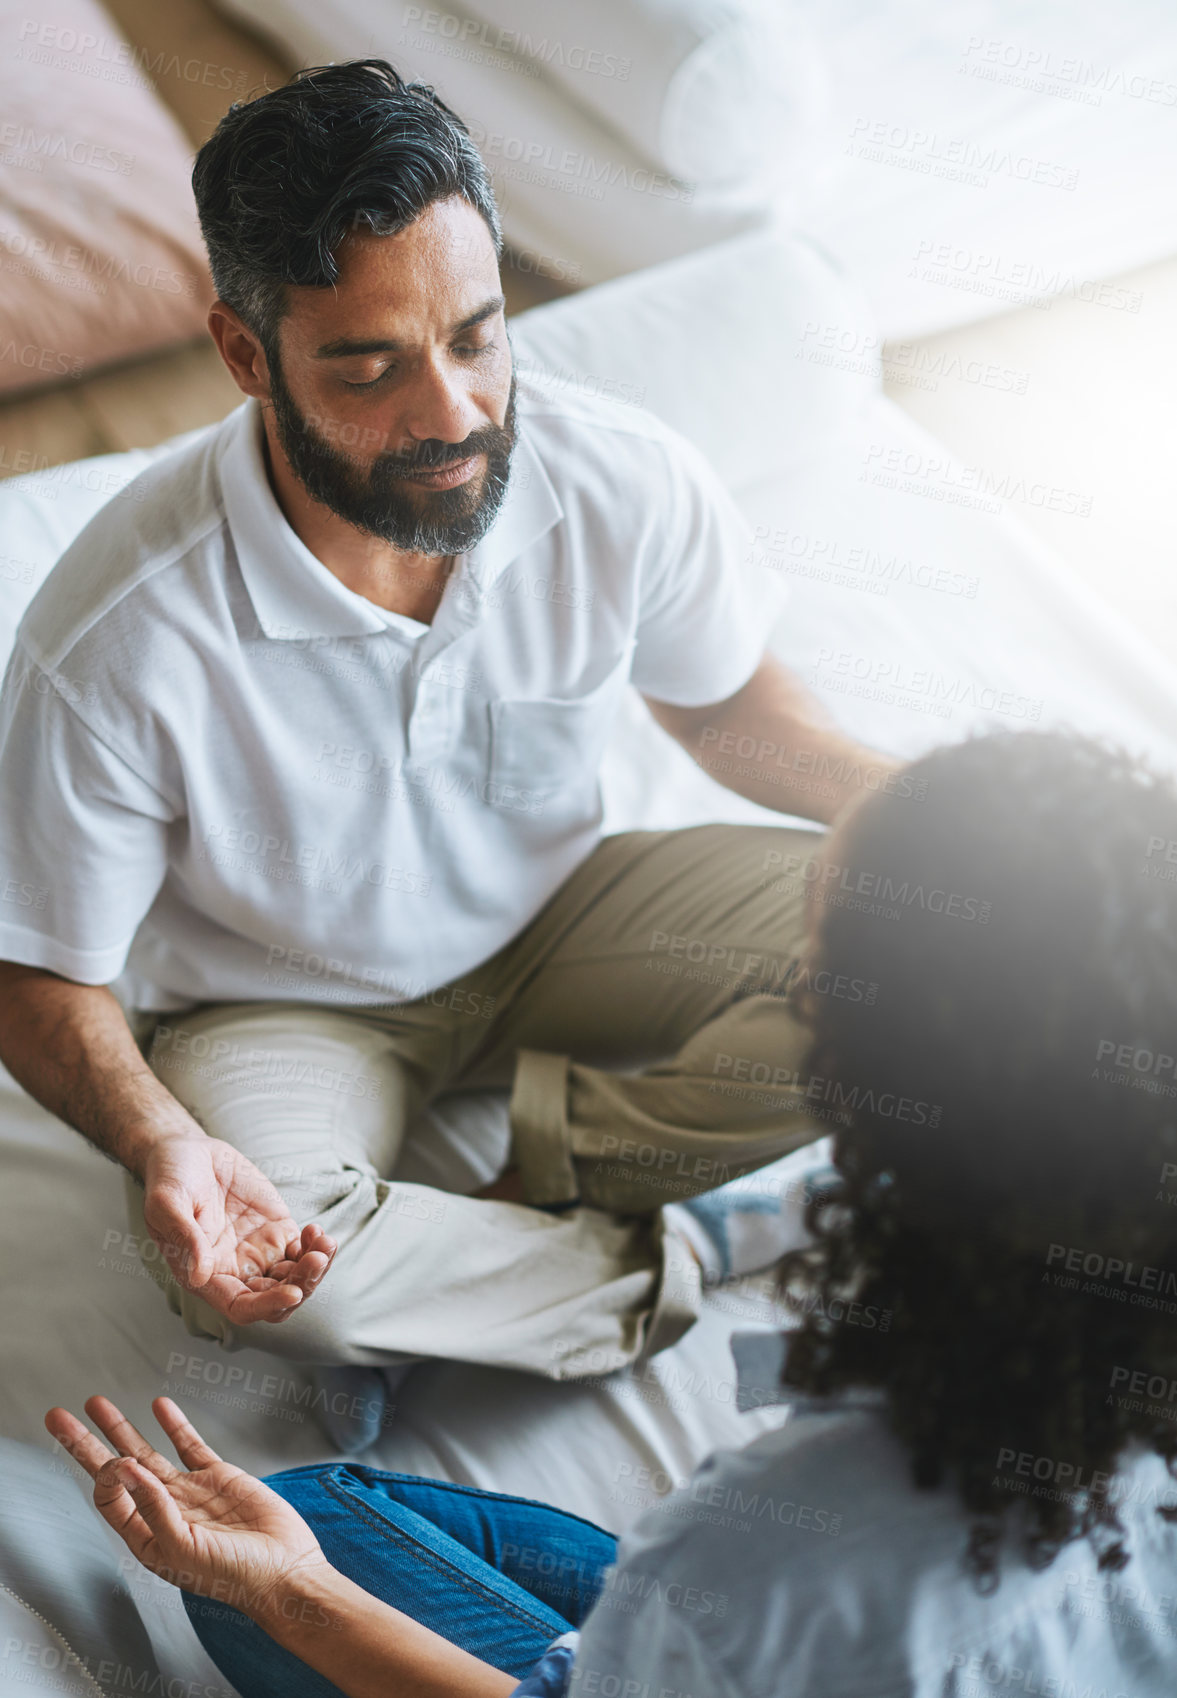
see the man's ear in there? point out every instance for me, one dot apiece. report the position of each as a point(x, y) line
point(240, 350)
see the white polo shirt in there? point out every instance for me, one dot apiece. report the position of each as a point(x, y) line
point(229, 776)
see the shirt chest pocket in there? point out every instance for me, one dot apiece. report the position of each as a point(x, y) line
point(545, 751)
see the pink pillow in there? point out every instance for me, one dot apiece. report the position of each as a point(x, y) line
point(100, 252)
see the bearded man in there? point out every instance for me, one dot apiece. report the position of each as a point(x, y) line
point(301, 740)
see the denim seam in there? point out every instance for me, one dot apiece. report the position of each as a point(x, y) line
point(440, 1564)
point(480, 1492)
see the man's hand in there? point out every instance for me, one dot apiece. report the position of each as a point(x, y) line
point(226, 1233)
point(206, 1526)
point(221, 1226)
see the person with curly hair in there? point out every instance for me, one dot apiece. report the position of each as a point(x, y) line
point(974, 1494)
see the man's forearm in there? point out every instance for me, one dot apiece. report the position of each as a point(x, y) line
point(774, 743)
point(794, 767)
point(69, 1045)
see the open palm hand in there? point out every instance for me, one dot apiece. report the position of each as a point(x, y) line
point(226, 1232)
point(206, 1526)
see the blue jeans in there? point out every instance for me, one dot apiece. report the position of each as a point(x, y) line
point(500, 1576)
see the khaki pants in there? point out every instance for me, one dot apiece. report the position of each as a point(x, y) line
point(665, 952)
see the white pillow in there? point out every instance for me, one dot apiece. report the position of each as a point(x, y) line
point(711, 91)
point(756, 349)
point(578, 199)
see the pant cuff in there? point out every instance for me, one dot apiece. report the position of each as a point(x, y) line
point(680, 1294)
point(541, 1142)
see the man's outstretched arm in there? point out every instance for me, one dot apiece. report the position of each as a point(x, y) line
point(774, 743)
point(221, 1225)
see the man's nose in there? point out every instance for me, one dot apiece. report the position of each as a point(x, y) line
point(435, 405)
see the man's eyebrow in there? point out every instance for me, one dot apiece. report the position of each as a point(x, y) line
point(343, 346)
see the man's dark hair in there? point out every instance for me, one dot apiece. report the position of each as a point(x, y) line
point(1024, 946)
point(284, 178)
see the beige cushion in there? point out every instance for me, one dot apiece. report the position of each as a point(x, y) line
point(100, 254)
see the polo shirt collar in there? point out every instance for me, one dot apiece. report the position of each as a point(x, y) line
point(293, 593)
point(530, 509)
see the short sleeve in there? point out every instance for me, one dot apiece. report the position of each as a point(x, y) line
point(83, 838)
point(703, 619)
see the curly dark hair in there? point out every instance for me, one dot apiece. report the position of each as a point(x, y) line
point(285, 177)
point(1021, 925)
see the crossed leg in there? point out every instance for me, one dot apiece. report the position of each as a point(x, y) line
point(666, 951)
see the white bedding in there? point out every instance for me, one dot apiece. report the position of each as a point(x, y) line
point(958, 160)
point(1001, 633)
point(989, 154)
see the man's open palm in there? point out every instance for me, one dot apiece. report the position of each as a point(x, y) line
point(226, 1233)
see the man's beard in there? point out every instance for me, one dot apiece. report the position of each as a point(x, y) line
point(373, 498)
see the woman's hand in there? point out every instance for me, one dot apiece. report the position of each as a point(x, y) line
point(207, 1527)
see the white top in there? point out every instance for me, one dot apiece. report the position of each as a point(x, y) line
point(809, 1566)
point(224, 770)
